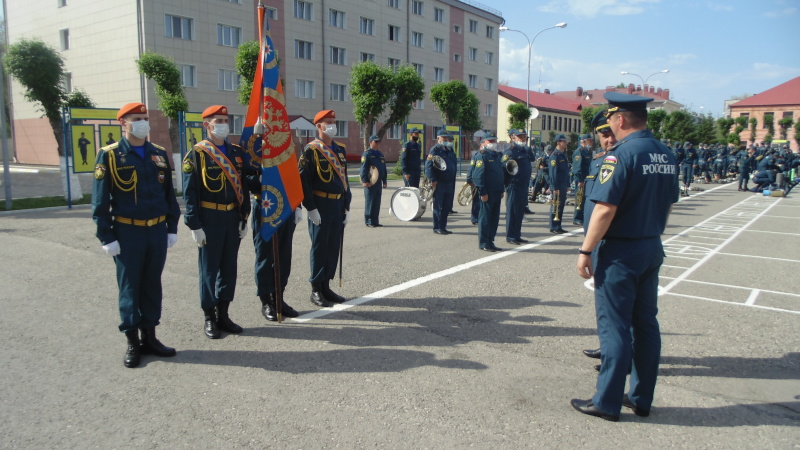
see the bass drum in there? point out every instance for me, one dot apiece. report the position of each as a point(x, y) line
point(407, 205)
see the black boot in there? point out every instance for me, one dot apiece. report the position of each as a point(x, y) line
point(152, 346)
point(330, 295)
point(286, 310)
point(210, 328)
point(268, 307)
point(132, 355)
point(318, 296)
point(225, 322)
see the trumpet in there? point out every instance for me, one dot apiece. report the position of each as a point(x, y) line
point(438, 162)
point(426, 190)
point(466, 194)
point(512, 167)
point(579, 197)
point(556, 202)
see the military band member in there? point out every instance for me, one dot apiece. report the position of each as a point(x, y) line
point(559, 184)
point(443, 179)
point(475, 205)
point(411, 159)
point(373, 158)
point(581, 160)
point(488, 174)
point(517, 187)
point(542, 183)
point(217, 208)
point(326, 192)
point(134, 207)
point(687, 166)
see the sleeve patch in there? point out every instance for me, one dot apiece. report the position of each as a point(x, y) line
point(606, 171)
point(99, 171)
point(188, 166)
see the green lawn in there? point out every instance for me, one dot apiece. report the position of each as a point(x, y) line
point(44, 202)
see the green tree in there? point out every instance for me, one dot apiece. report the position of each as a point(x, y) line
point(374, 89)
point(246, 65)
point(621, 85)
point(587, 114)
point(655, 120)
point(769, 123)
point(705, 132)
point(753, 124)
point(79, 99)
point(39, 69)
point(518, 115)
point(171, 98)
point(469, 118)
point(785, 124)
point(797, 131)
point(447, 97)
point(724, 125)
point(679, 126)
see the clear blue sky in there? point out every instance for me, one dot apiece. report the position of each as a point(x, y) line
point(714, 49)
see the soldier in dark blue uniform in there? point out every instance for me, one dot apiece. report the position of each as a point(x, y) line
point(326, 197)
point(559, 183)
point(747, 167)
point(372, 159)
point(687, 166)
point(542, 163)
point(487, 174)
point(517, 187)
point(134, 207)
point(632, 197)
point(411, 159)
point(475, 203)
point(443, 179)
point(217, 208)
point(581, 160)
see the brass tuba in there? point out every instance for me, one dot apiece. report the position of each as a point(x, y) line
point(512, 167)
point(426, 190)
point(438, 162)
point(466, 194)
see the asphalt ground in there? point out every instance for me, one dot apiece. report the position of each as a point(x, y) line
point(440, 346)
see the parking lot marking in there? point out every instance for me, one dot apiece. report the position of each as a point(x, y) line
point(773, 232)
point(769, 308)
point(751, 300)
point(771, 258)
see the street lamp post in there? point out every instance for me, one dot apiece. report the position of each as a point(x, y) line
point(530, 50)
point(644, 80)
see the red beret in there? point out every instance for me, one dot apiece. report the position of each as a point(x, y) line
point(216, 110)
point(324, 115)
point(131, 108)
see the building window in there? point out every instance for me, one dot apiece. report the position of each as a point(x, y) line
point(303, 89)
point(179, 27)
point(303, 10)
point(63, 35)
point(417, 7)
point(394, 33)
point(416, 39)
point(473, 26)
point(394, 63)
point(418, 104)
point(337, 18)
point(489, 32)
point(188, 76)
point(338, 56)
point(395, 132)
point(549, 122)
point(438, 45)
point(367, 26)
point(341, 129)
point(228, 80)
point(438, 74)
point(489, 84)
point(303, 50)
point(229, 36)
point(420, 68)
point(394, 4)
point(236, 122)
point(438, 15)
point(473, 54)
point(473, 81)
point(457, 29)
point(272, 13)
point(66, 82)
point(489, 110)
point(457, 57)
point(489, 58)
point(367, 57)
point(338, 92)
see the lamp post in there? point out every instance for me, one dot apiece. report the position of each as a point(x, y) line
point(530, 49)
point(644, 80)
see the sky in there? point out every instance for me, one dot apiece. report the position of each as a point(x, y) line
point(714, 49)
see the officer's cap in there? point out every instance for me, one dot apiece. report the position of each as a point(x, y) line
point(324, 114)
point(586, 136)
point(560, 137)
point(443, 133)
point(216, 110)
point(415, 130)
point(687, 143)
point(549, 148)
point(618, 102)
point(600, 122)
point(520, 133)
point(512, 132)
point(131, 108)
point(375, 138)
point(489, 137)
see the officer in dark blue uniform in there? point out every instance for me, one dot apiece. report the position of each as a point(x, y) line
point(559, 184)
point(134, 207)
point(372, 160)
point(326, 197)
point(517, 186)
point(411, 159)
point(581, 160)
point(687, 166)
point(632, 196)
point(217, 208)
point(542, 163)
point(747, 167)
point(475, 203)
point(487, 174)
point(440, 168)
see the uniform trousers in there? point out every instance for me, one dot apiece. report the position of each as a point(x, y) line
point(139, 267)
point(475, 207)
point(488, 218)
point(687, 171)
point(516, 199)
point(626, 304)
point(556, 224)
point(372, 205)
point(443, 203)
point(265, 257)
point(217, 259)
point(412, 181)
point(326, 239)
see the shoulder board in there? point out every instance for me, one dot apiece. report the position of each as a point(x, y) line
point(110, 147)
point(236, 146)
point(344, 147)
point(159, 147)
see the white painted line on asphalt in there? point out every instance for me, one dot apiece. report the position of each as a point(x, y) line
point(769, 308)
point(760, 257)
point(782, 217)
point(751, 300)
point(773, 232)
point(745, 288)
point(670, 255)
point(434, 276)
point(683, 199)
point(673, 267)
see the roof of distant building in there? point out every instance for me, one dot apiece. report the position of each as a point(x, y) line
point(787, 93)
point(541, 101)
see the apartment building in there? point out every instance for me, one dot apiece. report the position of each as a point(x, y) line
point(317, 42)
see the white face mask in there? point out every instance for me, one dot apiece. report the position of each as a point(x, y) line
point(330, 129)
point(491, 146)
point(447, 144)
point(140, 128)
point(221, 130)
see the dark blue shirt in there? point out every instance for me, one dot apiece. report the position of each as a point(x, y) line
point(486, 170)
point(559, 171)
point(411, 158)
point(436, 175)
point(522, 155)
point(373, 158)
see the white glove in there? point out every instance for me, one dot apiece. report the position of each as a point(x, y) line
point(346, 216)
point(242, 230)
point(112, 248)
point(172, 239)
point(199, 236)
point(314, 217)
point(298, 216)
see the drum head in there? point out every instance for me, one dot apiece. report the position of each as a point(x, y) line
point(406, 204)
